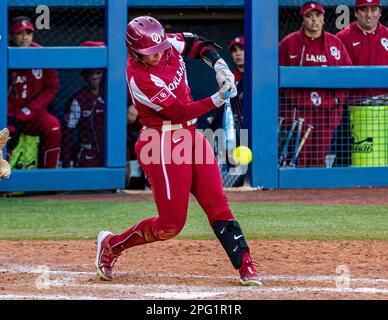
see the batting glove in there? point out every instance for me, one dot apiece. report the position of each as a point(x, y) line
point(223, 74)
point(5, 169)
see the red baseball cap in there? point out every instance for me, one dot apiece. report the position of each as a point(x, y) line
point(238, 40)
point(21, 26)
point(92, 44)
point(367, 3)
point(308, 7)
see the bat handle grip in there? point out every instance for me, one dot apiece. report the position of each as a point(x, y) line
point(227, 94)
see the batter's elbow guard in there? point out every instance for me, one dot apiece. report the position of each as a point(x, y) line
point(230, 235)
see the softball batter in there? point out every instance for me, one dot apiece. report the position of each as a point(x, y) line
point(176, 158)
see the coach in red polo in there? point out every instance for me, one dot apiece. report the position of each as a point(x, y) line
point(366, 39)
point(312, 46)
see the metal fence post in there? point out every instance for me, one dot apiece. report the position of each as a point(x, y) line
point(116, 91)
point(3, 62)
point(262, 88)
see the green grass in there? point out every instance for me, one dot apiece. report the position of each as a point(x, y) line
point(38, 219)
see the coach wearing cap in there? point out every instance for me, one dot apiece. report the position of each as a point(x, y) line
point(30, 91)
point(322, 108)
point(366, 39)
point(236, 48)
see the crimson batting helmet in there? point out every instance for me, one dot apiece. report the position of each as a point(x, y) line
point(146, 36)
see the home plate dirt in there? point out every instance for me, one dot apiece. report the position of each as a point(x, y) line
point(187, 269)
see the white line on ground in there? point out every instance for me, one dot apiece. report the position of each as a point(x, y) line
point(48, 297)
point(166, 291)
point(15, 268)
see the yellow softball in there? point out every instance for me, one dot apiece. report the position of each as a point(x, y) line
point(242, 155)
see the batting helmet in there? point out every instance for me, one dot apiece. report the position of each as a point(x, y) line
point(146, 36)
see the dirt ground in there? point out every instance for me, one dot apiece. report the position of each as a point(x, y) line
point(184, 269)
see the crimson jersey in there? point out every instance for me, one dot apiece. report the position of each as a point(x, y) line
point(161, 93)
point(299, 50)
point(34, 88)
point(86, 113)
point(238, 76)
point(321, 108)
point(366, 49)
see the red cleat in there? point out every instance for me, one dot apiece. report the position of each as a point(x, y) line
point(248, 274)
point(105, 258)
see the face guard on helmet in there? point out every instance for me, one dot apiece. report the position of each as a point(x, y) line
point(146, 36)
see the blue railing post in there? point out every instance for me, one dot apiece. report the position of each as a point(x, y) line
point(262, 97)
point(3, 63)
point(116, 115)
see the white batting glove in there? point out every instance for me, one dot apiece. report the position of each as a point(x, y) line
point(223, 73)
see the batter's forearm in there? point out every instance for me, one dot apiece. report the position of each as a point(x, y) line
point(180, 112)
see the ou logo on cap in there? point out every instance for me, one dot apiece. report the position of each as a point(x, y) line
point(156, 38)
point(24, 23)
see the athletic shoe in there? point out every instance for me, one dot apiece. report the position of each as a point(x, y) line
point(248, 274)
point(105, 258)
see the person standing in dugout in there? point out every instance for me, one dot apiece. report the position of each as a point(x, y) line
point(85, 116)
point(366, 40)
point(176, 158)
point(236, 49)
point(321, 108)
point(30, 91)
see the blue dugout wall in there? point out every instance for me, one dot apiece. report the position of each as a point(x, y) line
point(263, 80)
point(113, 58)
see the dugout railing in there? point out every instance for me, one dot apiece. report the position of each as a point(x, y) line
point(263, 79)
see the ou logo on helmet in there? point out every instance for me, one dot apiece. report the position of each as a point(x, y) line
point(156, 38)
point(335, 53)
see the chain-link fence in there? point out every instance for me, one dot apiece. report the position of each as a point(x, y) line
point(330, 128)
point(56, 116)
point(65, 99)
